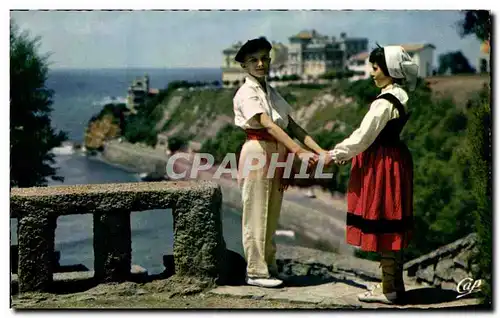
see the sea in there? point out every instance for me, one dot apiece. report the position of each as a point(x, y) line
point(78, 95)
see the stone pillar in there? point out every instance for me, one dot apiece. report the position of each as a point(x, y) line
point(112, 246)
point(198, 241)
point(35, 235)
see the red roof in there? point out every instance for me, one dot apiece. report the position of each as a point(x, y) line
point(416, 47)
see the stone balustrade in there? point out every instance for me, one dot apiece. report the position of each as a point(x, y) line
point(198, 247)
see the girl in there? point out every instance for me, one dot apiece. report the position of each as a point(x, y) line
point(380, 191)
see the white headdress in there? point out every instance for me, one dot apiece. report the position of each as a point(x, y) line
point(401, 65)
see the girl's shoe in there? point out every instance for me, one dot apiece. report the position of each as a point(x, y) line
point(375, 294)
point(378, 297)
point(264, 282)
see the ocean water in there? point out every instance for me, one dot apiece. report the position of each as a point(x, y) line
point(78, 95)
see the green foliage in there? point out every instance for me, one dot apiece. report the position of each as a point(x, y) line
point(31, 134)
point(477, 22)
point(328, 140)
point(229, 139)
point(372, 256)
point(454, 63)
point(364, 91)
point(298, 96)
point(139, 128)
point(178, 142)
point(293, 77)
point(337, 74)
point(479, 143)
point(207, 103)
point(309, 85)
point(443, 203)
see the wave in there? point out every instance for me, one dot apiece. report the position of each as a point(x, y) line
point(66, 149)
point(110, 100)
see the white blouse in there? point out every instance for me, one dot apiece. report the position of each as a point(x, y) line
point(381, 111)
point(250, 100)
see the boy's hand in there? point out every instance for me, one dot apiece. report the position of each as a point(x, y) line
point(325, 155)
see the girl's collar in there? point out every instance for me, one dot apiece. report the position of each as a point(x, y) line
point(388, 88)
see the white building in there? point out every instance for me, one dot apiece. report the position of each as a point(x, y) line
point(422, 54)
point(360, 65)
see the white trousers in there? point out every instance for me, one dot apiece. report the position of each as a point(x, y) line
point(261, 200)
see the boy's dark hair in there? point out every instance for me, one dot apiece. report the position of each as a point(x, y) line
point(378, 56)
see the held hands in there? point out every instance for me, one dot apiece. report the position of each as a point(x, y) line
point(337, 161)
point(328, 159)
point(313, 158)
point(310, 157)
point(305, 156)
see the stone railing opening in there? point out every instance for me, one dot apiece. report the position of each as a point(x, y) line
point(198, 247)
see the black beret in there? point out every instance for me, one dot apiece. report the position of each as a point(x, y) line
point(252, 46)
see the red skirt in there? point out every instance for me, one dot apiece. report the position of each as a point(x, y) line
point(380, 198)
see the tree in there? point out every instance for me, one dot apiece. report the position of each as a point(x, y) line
point(479, 137)
point(176, 143)
point(455, 63)
point(31, 134)
point(479, 144)
point(477, 22)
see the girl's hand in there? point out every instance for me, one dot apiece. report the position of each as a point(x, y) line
point(338, 162)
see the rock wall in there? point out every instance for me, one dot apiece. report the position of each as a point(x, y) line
point(135, 157)
point(446, 266)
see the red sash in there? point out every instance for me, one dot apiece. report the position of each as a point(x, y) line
point(259, 134)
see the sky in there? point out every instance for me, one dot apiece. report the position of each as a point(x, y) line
point(171, 39)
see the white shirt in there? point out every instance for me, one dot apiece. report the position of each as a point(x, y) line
point(381, 111)
point(250, 100)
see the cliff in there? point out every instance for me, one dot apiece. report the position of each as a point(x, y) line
point(200, 114)
point(106, 125)
point(99, 131)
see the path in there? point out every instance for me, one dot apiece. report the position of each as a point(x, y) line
point(342, 293)
point(333, 280)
